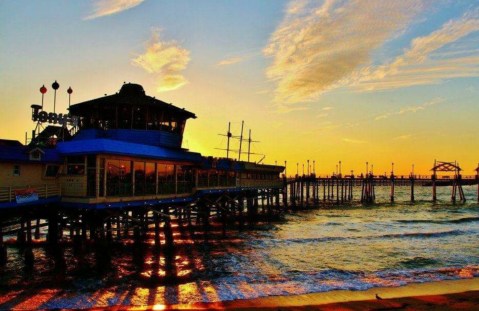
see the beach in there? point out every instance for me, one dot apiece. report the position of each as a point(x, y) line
point(443, 295)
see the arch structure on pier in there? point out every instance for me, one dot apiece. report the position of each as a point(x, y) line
point(441, 166)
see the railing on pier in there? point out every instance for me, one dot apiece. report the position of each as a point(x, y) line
point(8, 194)
point(311, 189)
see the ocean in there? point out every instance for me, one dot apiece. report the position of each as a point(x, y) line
point(352, 247)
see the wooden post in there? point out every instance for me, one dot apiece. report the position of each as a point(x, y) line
point(3, 249)
point(118, 227)
point(324, 190)
point(308, 185)
point(83, 226)
point(363, 186)
point(337, 191)
point(109, 234)
point(392, 188)
point(412, 188)
point(37, 230)
point(477, 181)
point(156, 219)
point(433, 179)
point(29, 231)
point(21, 232)
point(301, 200)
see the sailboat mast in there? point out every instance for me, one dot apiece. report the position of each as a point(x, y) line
point(249, 144)
point(229, 137)
point(241, 141)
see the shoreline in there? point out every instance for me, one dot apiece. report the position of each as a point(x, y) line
point(446, 295)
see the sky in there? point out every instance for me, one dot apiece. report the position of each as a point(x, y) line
point(354, 81)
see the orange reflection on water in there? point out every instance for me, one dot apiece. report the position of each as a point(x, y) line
point(247, 290)
point(37, 300)
point(188, 292)
point(148, 297)
point(207, 290)
point(9, 296)
point(183, 266)
point(371, 279)
point(467, 273)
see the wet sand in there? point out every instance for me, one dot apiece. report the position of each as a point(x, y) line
point(442, 295)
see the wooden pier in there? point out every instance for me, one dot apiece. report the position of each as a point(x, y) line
point(227, 208)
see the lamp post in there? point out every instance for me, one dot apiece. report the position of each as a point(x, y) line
point(43, 90)
point(69, 91)
point(55, 87)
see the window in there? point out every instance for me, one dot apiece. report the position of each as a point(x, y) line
point(185, 179)
point(52, 170)
point(150, 175)
point(76, 165)
point(139, 169)
point(36, 154)
point(166, 178)
point(119, 178)
point(16, 170)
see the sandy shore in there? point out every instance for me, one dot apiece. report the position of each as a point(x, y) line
point(443, 295)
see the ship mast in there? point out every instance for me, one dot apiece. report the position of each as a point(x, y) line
point(249, 144)
point(229, 137)
point(241, 141)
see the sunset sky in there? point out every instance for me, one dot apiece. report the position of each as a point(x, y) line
point(333, 80)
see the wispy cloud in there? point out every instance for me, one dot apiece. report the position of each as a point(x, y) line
point(324, 112)
point(166, 59)
point(417, 66)
point(404, 137)
point(230, 61)
point(317, 46)
point(410, 109)
point(280, 108)
point(109, 7)
point(353, 141)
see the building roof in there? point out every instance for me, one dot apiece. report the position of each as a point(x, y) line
point(20, 153)
point(115, 147)
point(129, 94)
point(8, 142)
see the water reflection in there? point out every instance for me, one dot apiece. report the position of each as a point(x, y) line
point(322, 250)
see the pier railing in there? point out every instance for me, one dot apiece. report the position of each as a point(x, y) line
point(8, 194)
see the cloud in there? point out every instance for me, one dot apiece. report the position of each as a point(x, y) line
point(404, 137)
point(166, 59)
point(417, 65)
point(324, 112)
point(317, 46)
point(109, 7)
point(280, 108)
point(230, 61)
point(353, 141)
point(410, 109)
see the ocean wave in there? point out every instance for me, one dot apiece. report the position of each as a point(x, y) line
point(312, 240)
point(417, 262)
point(434, 234)
point(439, 221)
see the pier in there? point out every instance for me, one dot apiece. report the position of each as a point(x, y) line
point(224, 208)
point(113, 172)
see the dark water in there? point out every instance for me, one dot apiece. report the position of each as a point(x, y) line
point(349, 247)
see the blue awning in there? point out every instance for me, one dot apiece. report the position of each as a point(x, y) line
point(109, 146)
